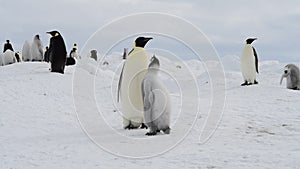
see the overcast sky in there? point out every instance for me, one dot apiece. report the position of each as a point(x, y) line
point(227, 24)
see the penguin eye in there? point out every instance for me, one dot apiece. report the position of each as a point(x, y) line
point(285, 71)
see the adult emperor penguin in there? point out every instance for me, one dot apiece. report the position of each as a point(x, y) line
point(7, 46)
point(157, 105)
point(57, 52)
point(130, 85)
point(292, 75)
point(249, 63)
point(37, 51)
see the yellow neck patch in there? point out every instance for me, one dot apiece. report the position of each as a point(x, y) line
point(57, 34)
point(134, 44)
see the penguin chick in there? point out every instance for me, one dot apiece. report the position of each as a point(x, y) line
point(156, 99)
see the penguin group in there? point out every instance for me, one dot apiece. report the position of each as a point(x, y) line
point(249, 64)
point(144, 100)
point(33, 51)
point(8, 56)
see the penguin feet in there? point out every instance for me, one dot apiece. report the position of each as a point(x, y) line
point(167, 130)
point(130, 127)
point(151, 133)
point(245, 83)
point(255, 82)
point(143, 126)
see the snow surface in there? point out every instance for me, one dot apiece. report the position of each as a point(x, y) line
point(42, 115)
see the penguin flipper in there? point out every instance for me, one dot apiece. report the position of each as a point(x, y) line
point(130, 51)
point(256, 60)
point(119, 84)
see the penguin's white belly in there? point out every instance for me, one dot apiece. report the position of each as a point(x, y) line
point(35, 52)
point(9, 57)
point(248, 64)
point(131, 87)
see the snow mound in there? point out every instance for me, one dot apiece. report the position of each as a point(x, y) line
point(40, 128)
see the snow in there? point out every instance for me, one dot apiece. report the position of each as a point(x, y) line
point(42, 115)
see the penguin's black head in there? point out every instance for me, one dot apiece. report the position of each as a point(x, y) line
point(154, 62)
point(250, 40)
point(7, 41)
point(141, 41)
point(37, 36)
point(54, 33)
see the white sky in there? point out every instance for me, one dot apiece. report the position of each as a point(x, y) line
point(227, 24)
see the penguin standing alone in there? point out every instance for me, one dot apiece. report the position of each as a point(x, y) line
point(249, 63)
point(57, 52)
point(157, 106)
point(130, 85)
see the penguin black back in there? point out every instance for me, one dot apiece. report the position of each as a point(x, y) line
point(57, 52)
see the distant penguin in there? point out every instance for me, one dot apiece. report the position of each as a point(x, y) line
point(46, 54)
point(7, 46)
point(292, 75)
point(1, 59)
point(75, 53)
point(157, 104)
point(37, 52)
point(26, 52)
point(8, 57)
point(70, 60)
point(57, 52)
point(125, 53)
point(17, 56)
point(130, 85)
point(94, 54)
point(249, 63)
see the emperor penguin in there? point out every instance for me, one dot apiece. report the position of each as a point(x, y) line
point(75, 52)
point(8, 57)
point(57, 52)
point(70, 59)
point(46, 54)
point(249, 63)
point(157, 106)
point(7, 46)
point(130, 85)
point(93, 54)
point(292, 75)
point(37, 51)
point(26, 51)
point(125, 53)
